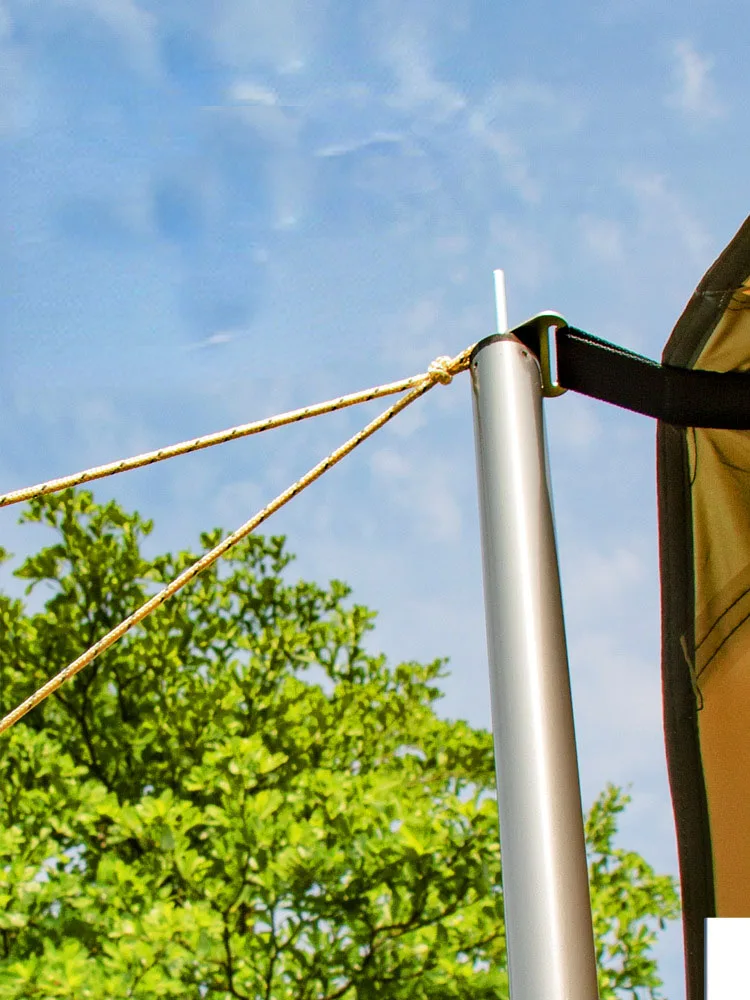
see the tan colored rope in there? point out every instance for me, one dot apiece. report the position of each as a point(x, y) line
point(441, 370)
point(207, 441)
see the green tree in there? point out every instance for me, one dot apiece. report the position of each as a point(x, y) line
point(239, 801)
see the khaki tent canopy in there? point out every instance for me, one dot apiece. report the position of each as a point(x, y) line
point(704, 526)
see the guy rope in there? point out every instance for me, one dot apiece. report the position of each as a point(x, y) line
point(441, 370)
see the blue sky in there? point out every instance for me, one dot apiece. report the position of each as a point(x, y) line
point(212, 212)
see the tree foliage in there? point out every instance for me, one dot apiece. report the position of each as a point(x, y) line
point(240, 801)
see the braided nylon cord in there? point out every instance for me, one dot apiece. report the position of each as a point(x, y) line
point(441, 370)
point(219, 437)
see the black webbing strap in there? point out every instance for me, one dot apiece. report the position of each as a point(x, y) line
point(687, 397)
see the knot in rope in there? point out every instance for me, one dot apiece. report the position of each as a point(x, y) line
point(440, 369)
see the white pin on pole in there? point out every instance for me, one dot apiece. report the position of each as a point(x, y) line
point(548, 924)
point(501, 305)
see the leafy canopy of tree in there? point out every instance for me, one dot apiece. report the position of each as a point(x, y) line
point(239, 801)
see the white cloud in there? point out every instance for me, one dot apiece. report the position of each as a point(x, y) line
point(281, 34)
point(408, 422)
point(543, 111)
point(12, 77)
point(133, 26)
point(389, 464)
point(292, 67)
point(217, 339)
point(259, 110)
point(510, 154)
point(356, 145)
point(617, 699)
point(247, 92)
point(410, 337)
point(285, 219)
point(419, 89)
point(693, 91)
point(451, 246)
point(611, 615)
point(603, 581)
point(236, 502)
point(662, 210)
point(602, 238)
point(576, 426)
point(269, 119)
point(424, 488)
point(514, 116)
point(524, 253)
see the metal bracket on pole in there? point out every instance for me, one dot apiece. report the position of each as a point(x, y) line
point(549, 932)
point(542, 324)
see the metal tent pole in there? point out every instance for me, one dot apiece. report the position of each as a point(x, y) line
point(545, 882)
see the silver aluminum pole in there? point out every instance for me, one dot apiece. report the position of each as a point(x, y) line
point(545, 881)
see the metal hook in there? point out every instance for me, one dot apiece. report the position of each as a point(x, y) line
point(545, 322)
